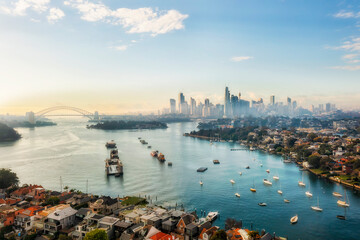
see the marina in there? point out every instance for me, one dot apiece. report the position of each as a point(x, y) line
point(72, 147)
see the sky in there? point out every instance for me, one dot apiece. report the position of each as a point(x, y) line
point(128, 56)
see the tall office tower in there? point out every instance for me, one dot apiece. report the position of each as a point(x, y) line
point(321, 108)
point(328, 107)
point(294, 104)
point(227, 102)
point(312, 108)
point(272, 100)
point(235, 109)
point(288, 101)
point(30, 117)
point(172, 105)
point(181, 100)
point(333, 107)
point(192, 106)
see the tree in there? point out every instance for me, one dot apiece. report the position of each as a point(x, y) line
point(8, 178)
point(8, 134)
point(314, 161)
point(64, 237)
point(96, 234)
point(219, 235)
point(52, 201)
point(232, 223)
point(253, 234)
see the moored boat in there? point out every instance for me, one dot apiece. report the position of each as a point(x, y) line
point(161, 157)
point(212, 216)
point(308, 194)
point(154, 153)
point(247, 167)
point(252, 189)
point(268, 170)
point(237, 195)
point(280, 192)
point(317, 208)
point(232, 181)
point(267, 182)
point(216, 161)
point(301, 184)
point(262, 204)
point(113, 167)
point(286, 200)
point(336, 194)
point(341, 217)
point(110, 144)
point(294, 219)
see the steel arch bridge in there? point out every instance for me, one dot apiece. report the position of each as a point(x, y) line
point(82, 112)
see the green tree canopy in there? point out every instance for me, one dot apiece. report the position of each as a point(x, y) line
point(96, 234)
point(219, 235)
point(8, 178)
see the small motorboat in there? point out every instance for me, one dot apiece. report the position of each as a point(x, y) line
point(276, 177)
point(341, 217)
point(212, 216)
point(261, 165)
point(240, 173)
point(253, 189)
point(280, 192)
point(247, 167)
point(336, 194)
point(268, 170)
point(216, 161)
point(294, 219)
point(148, 146)
point(308, 194)
point(232, 181)
point(169, 164)
point(267, 182)
point(262, 204)
point(201, 183)
point(237, 195)
point(286, 200)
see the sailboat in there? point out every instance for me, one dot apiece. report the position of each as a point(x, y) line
point(308, 193)
point(344, 203)
point(253, 189)
point(240, 173)
point(201, 183)
point(342, 217)
point(336, 194)
point(279, 191)
point(268, 170)
point(286, 200)
point(294, 219)
point(317, 208)
point(267, 182)
point(301, 183)
point(237, 195)
point(276, 177)
point(232, 181)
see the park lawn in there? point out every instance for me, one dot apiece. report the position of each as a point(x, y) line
point(317, 170)
point(134, 201)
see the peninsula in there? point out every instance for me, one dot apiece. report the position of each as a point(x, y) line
point(8, 134)
point(122, 125)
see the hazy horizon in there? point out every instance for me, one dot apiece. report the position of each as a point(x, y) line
point(133, 56)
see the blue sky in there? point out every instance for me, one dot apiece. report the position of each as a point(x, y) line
point(130, 56)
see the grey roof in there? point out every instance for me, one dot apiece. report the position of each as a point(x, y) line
point(191, 226)
point(61, 214)
point(83, 211)
point(123, 224)
point(109, 220)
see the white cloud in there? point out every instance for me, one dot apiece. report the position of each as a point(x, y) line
point(121, 47)
point(55, 14)
point(349, 68)
point(241, 58)
point(140, 20)
point(20, 7)
point(345, 14)
point(350, 56)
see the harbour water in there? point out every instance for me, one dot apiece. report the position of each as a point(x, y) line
point(77, 155)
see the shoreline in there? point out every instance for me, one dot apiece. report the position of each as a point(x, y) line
point(333, 179)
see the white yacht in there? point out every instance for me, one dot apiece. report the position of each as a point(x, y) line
point(267, 182)
point(237, 195)
point(294, 219)
point(317, 208)
point(232, 181)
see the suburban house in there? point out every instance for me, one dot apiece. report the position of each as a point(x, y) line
point(59, 220)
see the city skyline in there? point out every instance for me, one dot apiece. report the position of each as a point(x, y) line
point(133, 56)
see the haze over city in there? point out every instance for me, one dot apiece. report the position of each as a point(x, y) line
point(132, 56)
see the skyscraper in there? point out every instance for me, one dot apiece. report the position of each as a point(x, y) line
point(181, 100)
point(328, 107)
point(227, 102)
point(272, 100)
point(192, 106)
point(172, 105)
point(288, 102)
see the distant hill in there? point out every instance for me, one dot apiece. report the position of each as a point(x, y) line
point(8, 134)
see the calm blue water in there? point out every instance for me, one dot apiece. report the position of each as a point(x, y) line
point(77, 154)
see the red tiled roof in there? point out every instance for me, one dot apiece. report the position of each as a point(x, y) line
point(161, 236)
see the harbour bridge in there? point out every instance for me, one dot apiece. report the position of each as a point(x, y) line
point(50, 112)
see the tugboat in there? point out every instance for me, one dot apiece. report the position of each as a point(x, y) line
point(110, 144)
point(114, 154)
point(161, 157)
point(154, 153)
